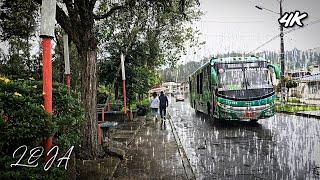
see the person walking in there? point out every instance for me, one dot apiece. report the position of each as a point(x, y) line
point(154, 105)
point(163, 105)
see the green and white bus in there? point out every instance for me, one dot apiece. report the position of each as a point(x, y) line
point(235, 88)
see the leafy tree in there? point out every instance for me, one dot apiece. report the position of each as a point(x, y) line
point(77, 19)
point(18, 22)
point(149, 36)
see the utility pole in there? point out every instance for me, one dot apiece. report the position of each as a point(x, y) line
point(282, 83)
point(282, 65)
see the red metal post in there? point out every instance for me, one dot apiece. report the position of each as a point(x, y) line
point(68, 82)
point(102, 113)
point(124, 96)
point(108, 106)
point(47, 85)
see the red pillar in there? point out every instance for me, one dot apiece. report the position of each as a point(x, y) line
point(68, 82)
point(102, 113)
point(47, 85)
point(124, 96)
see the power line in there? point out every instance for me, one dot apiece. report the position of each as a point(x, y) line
point(286, 32)
point(232, 22)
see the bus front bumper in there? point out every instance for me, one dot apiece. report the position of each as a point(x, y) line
point(245, 113)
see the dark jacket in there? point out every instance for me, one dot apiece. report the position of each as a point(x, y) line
point(163, 101)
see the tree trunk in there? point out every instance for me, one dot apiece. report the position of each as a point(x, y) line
point(89, 99)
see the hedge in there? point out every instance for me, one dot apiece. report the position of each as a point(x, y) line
point(23, 121)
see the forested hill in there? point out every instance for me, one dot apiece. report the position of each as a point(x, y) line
point(295, 60)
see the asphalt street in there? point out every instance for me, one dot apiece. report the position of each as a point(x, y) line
point(281, 147)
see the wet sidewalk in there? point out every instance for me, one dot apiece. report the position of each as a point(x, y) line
point(154, 154)
point(114, 151)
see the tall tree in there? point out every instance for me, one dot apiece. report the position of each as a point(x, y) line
point(77, 18)
point(18, 23)
point(149, 35)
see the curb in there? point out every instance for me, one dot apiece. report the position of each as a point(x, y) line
point(184, 158)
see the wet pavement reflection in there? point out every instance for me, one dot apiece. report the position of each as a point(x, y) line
point(281, 147)
point(153, 155)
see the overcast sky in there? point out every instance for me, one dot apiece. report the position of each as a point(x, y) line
point(236, 25)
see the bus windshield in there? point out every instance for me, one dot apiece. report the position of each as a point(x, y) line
point(231, 79)
point(243, 77)
point(257, 78)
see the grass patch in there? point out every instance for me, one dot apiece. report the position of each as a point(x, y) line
point(296, 108)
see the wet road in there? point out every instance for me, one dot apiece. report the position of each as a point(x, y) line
point(281, 147)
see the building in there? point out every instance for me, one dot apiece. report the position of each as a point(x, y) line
point(308, 88)
point(171, 87)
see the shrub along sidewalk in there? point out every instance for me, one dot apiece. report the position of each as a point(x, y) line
point(299, 109)
point(23, 121)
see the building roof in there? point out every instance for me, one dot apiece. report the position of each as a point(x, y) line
point(170, 84)
point(157, 90)
point(310, 78)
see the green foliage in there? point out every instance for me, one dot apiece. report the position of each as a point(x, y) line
point(18, 63)
point(291, 84)
point(23, 121)
point(18, 18)
point(149, 34)
point(58, 60)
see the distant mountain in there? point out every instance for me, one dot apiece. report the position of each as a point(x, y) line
point(295, 59)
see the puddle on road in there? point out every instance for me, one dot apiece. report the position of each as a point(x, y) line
point(282, 147)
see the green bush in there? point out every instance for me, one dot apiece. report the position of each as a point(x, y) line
point(23, 121)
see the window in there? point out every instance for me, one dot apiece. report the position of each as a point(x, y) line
point(313, 87)
point(209, 77)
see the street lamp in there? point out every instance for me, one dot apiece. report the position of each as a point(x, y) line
point(282, 83)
